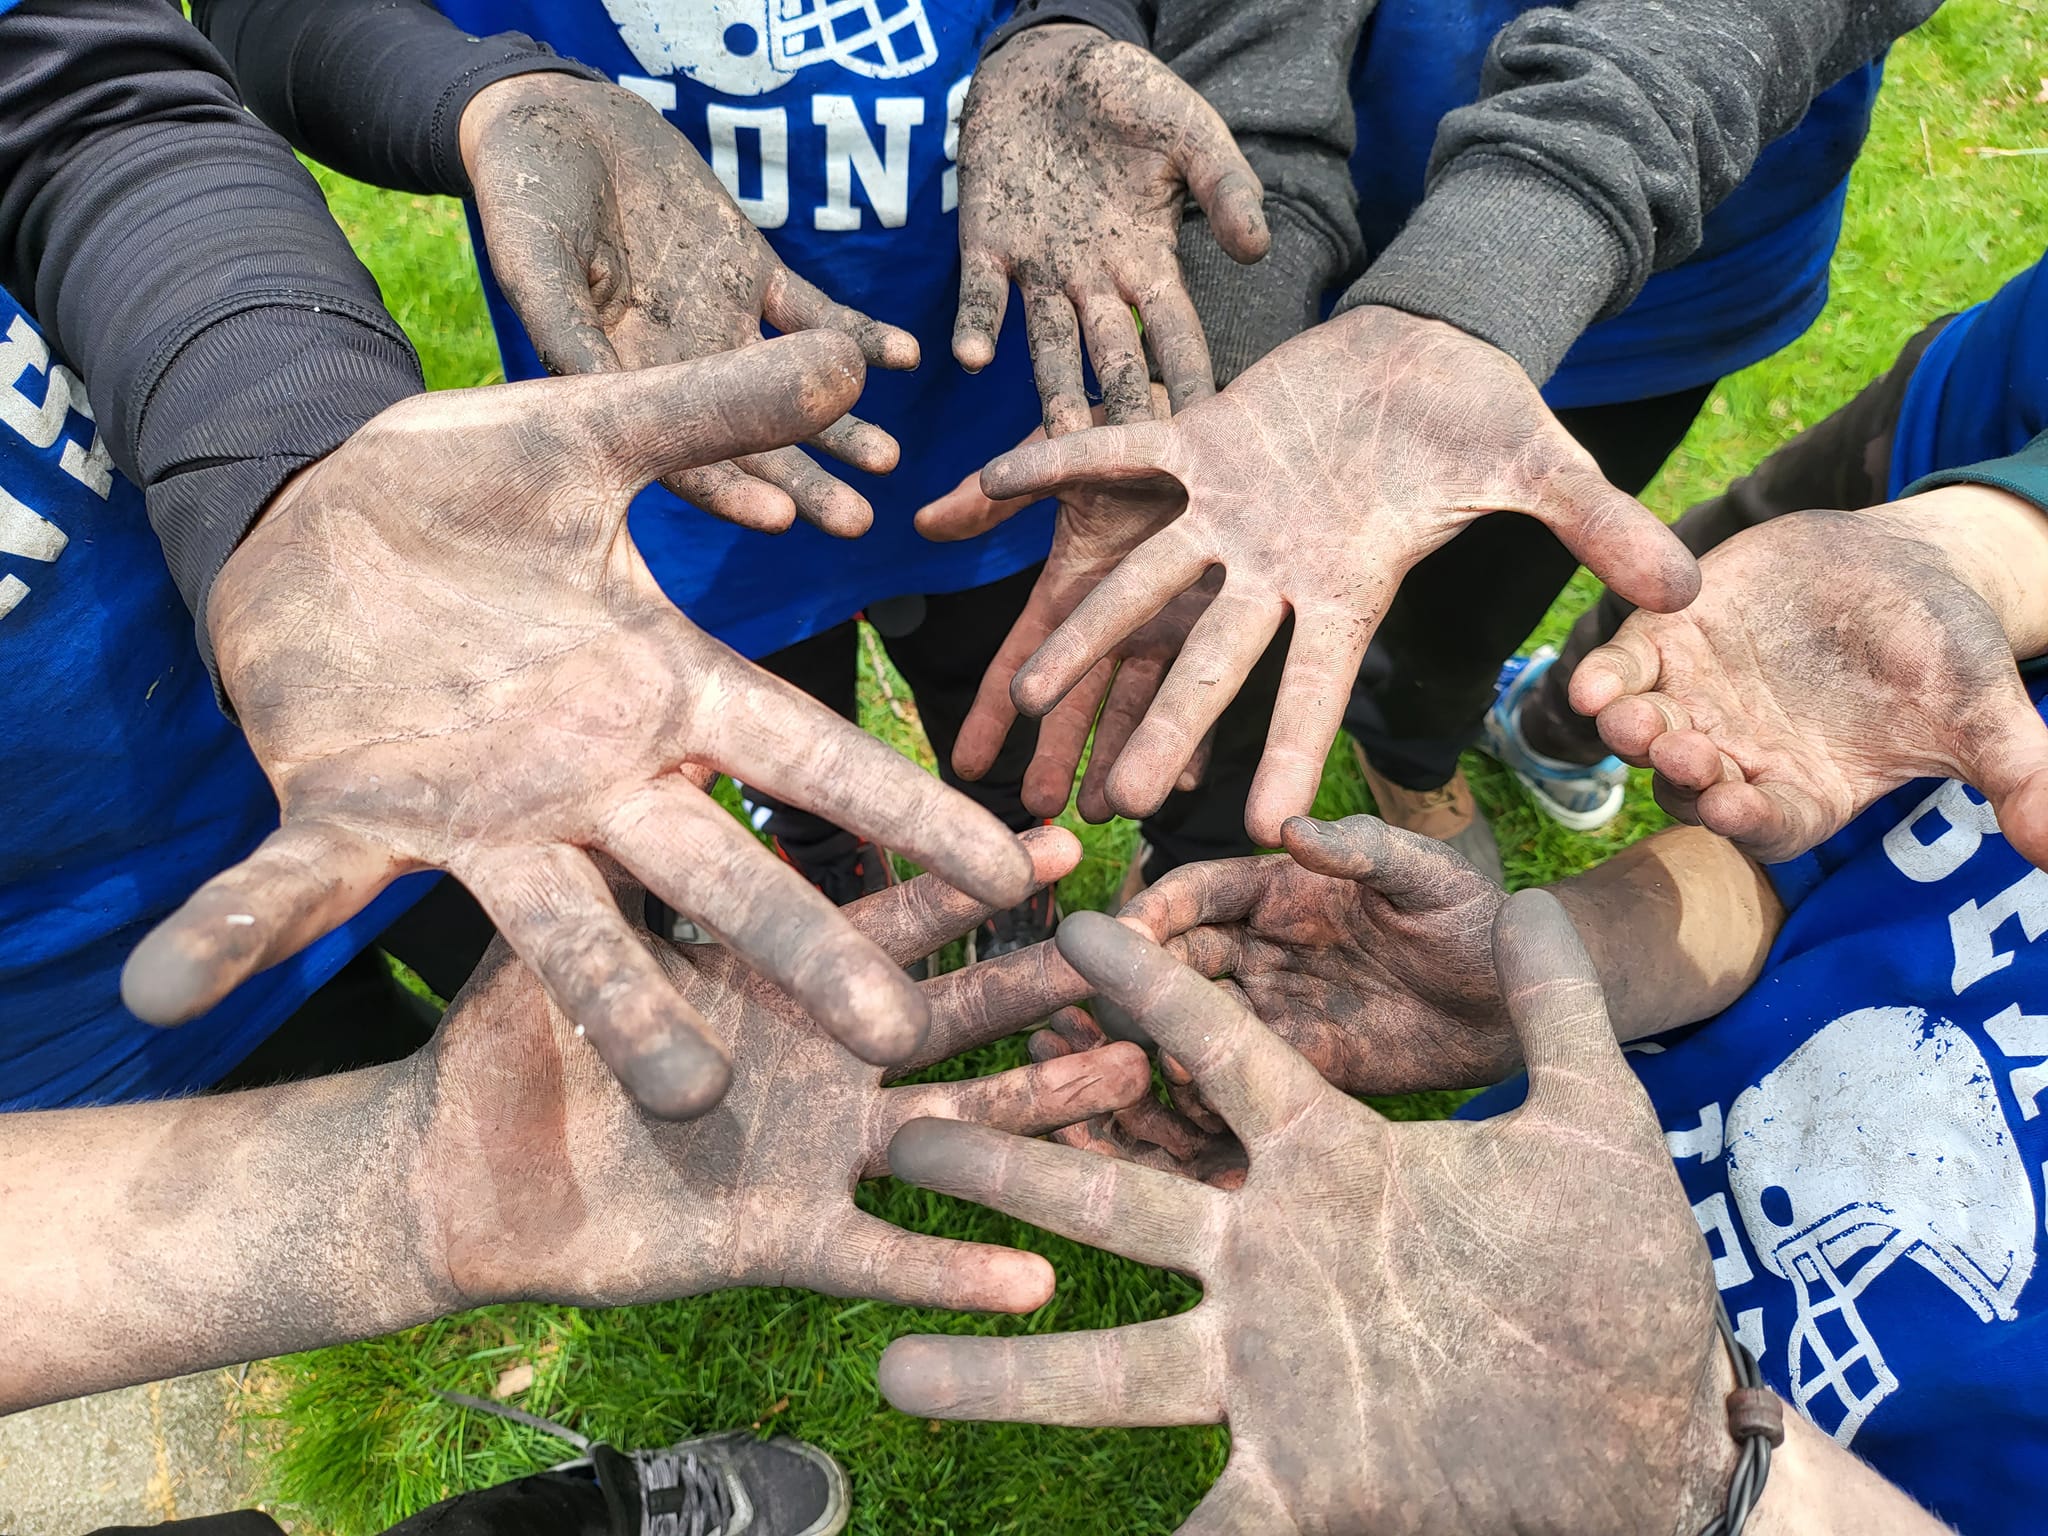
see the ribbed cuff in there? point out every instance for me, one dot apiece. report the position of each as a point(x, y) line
point(1504, 252)
point(493, 64)
point(1247, 311)
point(1128, 21)
point(2023, 474)
point(241, 407)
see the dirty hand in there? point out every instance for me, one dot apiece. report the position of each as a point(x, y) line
point(1093, 530)
point(1367, 949)
point(541, 1179)
point(1316, 481)
point(1832, 657)
point(1503, 1325)
point(1077, 153)
point(447, 653)
point(620, 249)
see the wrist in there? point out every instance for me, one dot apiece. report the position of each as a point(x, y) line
point(1997, 543)
point(543, 87)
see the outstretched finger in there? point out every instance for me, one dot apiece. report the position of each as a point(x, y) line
point(685, 849)
point(1219, 653)
point(1147, 1217)
point(1118, 356)
point(559, 916)
point(1620, 540)
point(984, 297)
point(1154, 1373)
point(820, 497)
point(304, 880)
point(860, 443)
point(1026, 1101)
point(1203, 894)
point(1055, 339)
point(1559, 1013)
point(911, 920)
point(1413, 872)
point(1062, 739)
point(1140, 451)
point(792, 304)
point(1629, 663)
point(1315, 687)
point(1129, 700)
point(728, 492)
point(993, 713)
point(993, 999)
point(965, 512)
point(1258, 1083)
point(1173, 332)
point(1149, 578)
point(863, 1256)
point(768, 734)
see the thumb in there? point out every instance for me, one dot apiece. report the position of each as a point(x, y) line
point(2008, 761)
point(1226, 186)
point(1411, 871)
point(549, 285)
point(1559, 1013)
point(655, 422)
point(1620, 540)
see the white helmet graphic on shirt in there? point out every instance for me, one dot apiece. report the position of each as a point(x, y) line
point(1879, 1139)
point(752, 47)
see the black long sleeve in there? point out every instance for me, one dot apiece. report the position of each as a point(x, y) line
point(186, 266)
point(374, 88)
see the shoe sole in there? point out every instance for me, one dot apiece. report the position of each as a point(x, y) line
point(1571, 820)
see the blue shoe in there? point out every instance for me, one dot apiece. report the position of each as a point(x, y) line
point(1573, 795)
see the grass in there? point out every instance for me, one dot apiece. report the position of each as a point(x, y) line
point(1930, 228)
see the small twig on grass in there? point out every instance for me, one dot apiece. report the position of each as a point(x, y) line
point(1927, 147)
point(879, 662)
point(1991, 152)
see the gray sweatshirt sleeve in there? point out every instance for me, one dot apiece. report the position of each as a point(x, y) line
point(1602, 138)
point(1277, 72)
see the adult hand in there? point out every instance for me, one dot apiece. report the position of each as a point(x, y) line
point(620, 249)
point(1093, 530)
point(1316, 480)
point(541, 1179)
point(1471, 1327)
point(1077, 153)
point(1832, 657)
point(1367, 949)
point(447, 653)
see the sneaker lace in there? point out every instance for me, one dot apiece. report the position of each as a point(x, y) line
point(681, 1495)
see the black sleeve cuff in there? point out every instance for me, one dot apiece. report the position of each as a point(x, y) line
point(247, 402)
point(1128, 21)
point(1247, 311)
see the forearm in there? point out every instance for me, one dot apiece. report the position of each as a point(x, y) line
point(1277, 73)
point(147, 1240)
point(1992, 521)
point(1603, 137)
point(180, 257)
point(1816, 1488)
point(1678, 926)
point(374, 88)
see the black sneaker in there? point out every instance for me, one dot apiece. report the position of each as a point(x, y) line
point(1030, 922)
point(728, 1484)
point(845, 869)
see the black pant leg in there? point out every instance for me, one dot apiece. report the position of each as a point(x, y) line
point(944, 657)
point(1428, 681)
point(1841, 463)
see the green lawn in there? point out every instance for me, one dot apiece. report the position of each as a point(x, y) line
point(1931, 227)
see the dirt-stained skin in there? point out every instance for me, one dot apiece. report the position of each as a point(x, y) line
point(1077, 155)
point(1830, 658)
point(1436, 1327)
point(543, 1179)
point(1315, 481)
point(447, 653)
point(619, 248)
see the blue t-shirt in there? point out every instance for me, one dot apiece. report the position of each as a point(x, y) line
point(122, 786)
point(1759, 277)
point(834, 126)
point(1980, 390)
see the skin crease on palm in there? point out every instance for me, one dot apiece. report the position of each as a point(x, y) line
point(1077, 154)
point(444, 668)
point(1372, 1381)
point(1832, 657)
point(1315, 482)
point(542, 1179)
point(620, 248)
